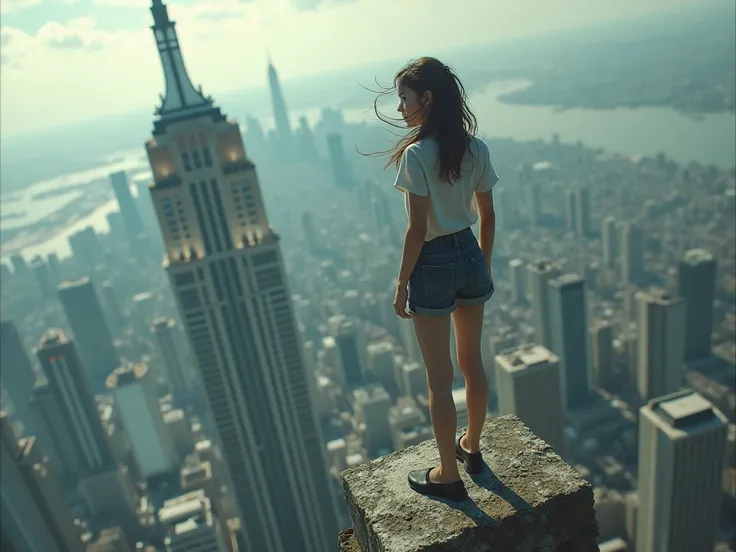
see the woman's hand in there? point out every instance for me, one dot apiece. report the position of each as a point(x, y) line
point(400, 299)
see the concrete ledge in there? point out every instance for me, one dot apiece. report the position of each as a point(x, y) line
point(346, 541)
point(527, 499)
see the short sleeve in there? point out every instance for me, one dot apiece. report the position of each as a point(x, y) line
point(489, 177)
point(411, 177)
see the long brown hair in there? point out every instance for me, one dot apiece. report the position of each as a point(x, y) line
point(448, 120)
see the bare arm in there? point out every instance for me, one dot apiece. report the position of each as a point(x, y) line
point(487, 223)
point(414, 237)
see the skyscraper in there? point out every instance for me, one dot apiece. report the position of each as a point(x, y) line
point(632, 254)
point(281, 117)
point(582, 202)
point(539, 274)
point(46, 282)
point(128, 208)
point(167, 337)
point(33, 516)
point(571, 212)
point(16, 373)
point(86, 249)
point(697, 283)
point(91, 334)
point(71, 389)
point(682, 440)
point(569, 336)
point(518, 281)
point(528, 382)
point(347, 339)
point(225, 267)
point(340, 168)
point(136, 398)
point(661, 343)
point(534, 207)
point(609, 240)
point(601, 337)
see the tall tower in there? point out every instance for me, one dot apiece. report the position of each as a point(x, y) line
point(16, 373)
point(609, 241)
point(518, 281)
point(661, 349)
point(75, 401)
point(91, 334)
point(568, 322)
point(632, 254)
point(128, 208)
point(582, 202)
point(227, 273)
point(571, 212)
point(280, 114)
point(539, 274)
point(697, 283)
point(33, 516)
point(601, 336)
point(682, 440)
point(136, 398)
point(528, 382)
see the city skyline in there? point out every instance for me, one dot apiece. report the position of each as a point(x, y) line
point(103, 43)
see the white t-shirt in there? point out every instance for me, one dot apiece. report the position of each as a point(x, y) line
point(453, 204)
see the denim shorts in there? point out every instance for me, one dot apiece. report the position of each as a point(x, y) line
point(451, 271)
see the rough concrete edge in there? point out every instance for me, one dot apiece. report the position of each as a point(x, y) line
point(347, 542)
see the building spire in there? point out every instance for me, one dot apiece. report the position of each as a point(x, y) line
point(181, 97)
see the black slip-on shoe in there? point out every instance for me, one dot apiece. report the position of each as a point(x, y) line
point(473, 462)
point(419, 481)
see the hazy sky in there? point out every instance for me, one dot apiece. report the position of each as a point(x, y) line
point(69, 60)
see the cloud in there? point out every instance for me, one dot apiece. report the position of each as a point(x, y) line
point(13, 46)
point(12, 6)
point(78, 34)
point(312, 4)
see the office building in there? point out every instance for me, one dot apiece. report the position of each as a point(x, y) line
point(632, 254)
point(569, 336)
point(128, 208)
point(582, 204)
point(571, 212)
point(20, 269)
point(191, 525)
point(86, 248)
point(518, 281)
point(539, 274)
point(372, 404)
point(74, 398)
point(609, 240)
point(697, 287)
point(380, 364)
point(340, 168)
point(682, 440)
point(661, 343)
point(136, 398)
point(348, 342)
point(33, 515)
point(284, 137)
point(16, 374)
point(226, 270)
point(601, 339)
point(170, 346)
point(529, 386)
point(89, 327)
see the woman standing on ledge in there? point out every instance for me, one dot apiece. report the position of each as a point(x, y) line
point(443, 170)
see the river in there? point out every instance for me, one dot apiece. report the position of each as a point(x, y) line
point(708, 139)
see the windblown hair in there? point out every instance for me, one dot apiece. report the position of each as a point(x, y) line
point(448, 119)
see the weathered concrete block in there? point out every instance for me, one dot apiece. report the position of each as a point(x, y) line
point(346, 541)
point(527, 499)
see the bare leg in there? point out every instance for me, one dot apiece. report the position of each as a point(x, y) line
point(433, 334)
point(468, 322)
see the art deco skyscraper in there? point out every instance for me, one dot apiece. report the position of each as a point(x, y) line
point(682, 440)
point(225, 266)
point(697, 283)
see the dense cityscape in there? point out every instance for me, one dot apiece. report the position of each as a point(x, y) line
point(212, 403)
